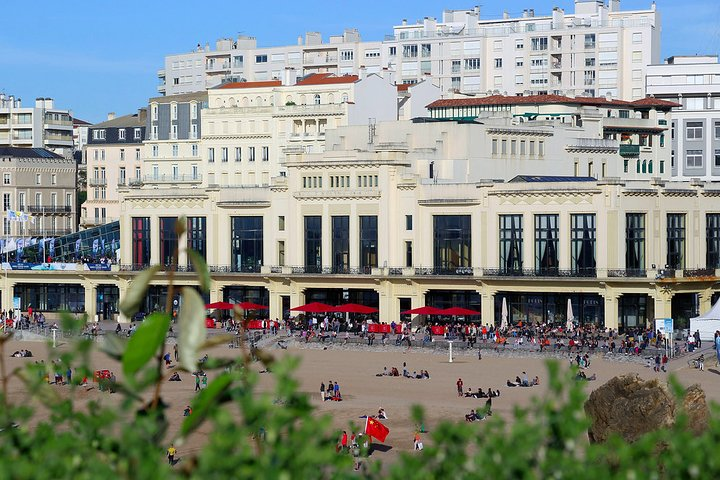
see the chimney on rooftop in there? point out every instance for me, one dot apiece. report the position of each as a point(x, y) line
point(111, 116)
point(404, 21)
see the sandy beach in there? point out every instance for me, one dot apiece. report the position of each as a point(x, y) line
point(364, 393)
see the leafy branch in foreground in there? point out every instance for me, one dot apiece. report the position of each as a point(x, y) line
point(279, 435)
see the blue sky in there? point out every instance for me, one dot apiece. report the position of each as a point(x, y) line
point(99, 56)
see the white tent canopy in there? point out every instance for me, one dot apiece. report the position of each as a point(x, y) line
point(707, 324)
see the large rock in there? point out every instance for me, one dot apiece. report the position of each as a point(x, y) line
point(630, 407)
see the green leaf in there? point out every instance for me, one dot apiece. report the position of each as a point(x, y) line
point(192, 328)
point(136, 293)
point(145, 342)
point(71, 324)
point(205, 402)
point(200, 268)
point(113, 346)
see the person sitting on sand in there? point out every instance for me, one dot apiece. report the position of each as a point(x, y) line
point(175, 377)
point(381, 414)
point(480, 393)
point(187, 412)
point(536, 380)
point(518, 382)
point(511, 384)
point(469, 393)
point(471, 417)
point(394, 372)
point(525, 382)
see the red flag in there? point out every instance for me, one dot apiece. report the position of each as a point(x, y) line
point(376, 429)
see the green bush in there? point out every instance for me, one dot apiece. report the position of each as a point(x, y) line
point(278, 435)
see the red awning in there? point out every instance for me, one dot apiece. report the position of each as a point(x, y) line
point(251, 306)
point(460, 311)
point(424, 311)
point(220, 306)
point(315, 307)
point(354, 308)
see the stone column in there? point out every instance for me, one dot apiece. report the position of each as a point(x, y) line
point(663, 302)
point(705, 301)
point(487, 305)
point(123, 288)
point(611, 310)
point(90, 300)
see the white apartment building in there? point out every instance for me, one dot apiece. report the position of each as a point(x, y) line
point(242, 60)
point(250, 127)
point(597, 50)
point(39, 126)
point(694, 83)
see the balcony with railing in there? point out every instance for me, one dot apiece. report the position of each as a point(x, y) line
point(94, 221)
point(311, 110)
point(150, 179)
point(593, 145)
point(631, 123)
point(97, 182)
point(49, 209)
point(49, 232)
point(627, 150)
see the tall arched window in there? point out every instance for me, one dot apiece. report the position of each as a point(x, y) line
point(644, 166)
point(650, 168)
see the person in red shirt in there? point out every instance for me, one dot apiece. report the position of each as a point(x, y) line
point(344, 440)
point(459, 384)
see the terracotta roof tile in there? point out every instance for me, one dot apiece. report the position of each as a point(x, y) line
point(655, 102)
point(268, 83)
point(549, 99)
point(327, 79)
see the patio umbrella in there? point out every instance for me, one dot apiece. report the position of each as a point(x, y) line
point(220, 306)
point(251, 306)
point(315, 307)
point(504, 315)
point(455, 311)
point(354, 308)
point(424, 311)
point(570, 317)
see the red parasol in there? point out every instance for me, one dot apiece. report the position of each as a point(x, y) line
point(424, 311)
point(460, 311)
point(251, 306)
point(220, 306)
point(315, 307)
point(354, 308)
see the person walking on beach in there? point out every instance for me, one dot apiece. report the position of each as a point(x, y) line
point(175, 352)
point(459, 384)
point(197, 382)
point(204, 382)
point(171, 452)
point(322, 391)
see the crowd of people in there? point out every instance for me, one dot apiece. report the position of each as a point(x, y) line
point(331, 392)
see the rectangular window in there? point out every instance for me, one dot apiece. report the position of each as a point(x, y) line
point(38, 179)
point(281, 253)
point(717, 158)
point(511, 244)
point(368, 241)
point(155, 150)
point(265, 154)
point(175, 150)
point(6, 202)
point(251, 154)
point(452, 242)
point(246, 248)
point(313, 244)
point(261, 58)
point(694, 159)
point(582, 244)
point(281, 223)
point(426, 49)
point(675, 240)
point(168, 241)
point(197, 235)
point(494, 146)
point(121, 176)
point(513, 147)
point(712, 229)
point(498, 63)
point(6, 178)
point(410, 51)
point(539, 43)
point(238, 154)
point(224, 154)
point(194, 150)
point(546, 244)
point(211, 155)
point(122, 154)
point(408, 222)
point(340, 244)
point(635, 244)
point(137, 134)
point(140, 241)
point(694, 131)
point(121, 134)
point(473, 64)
